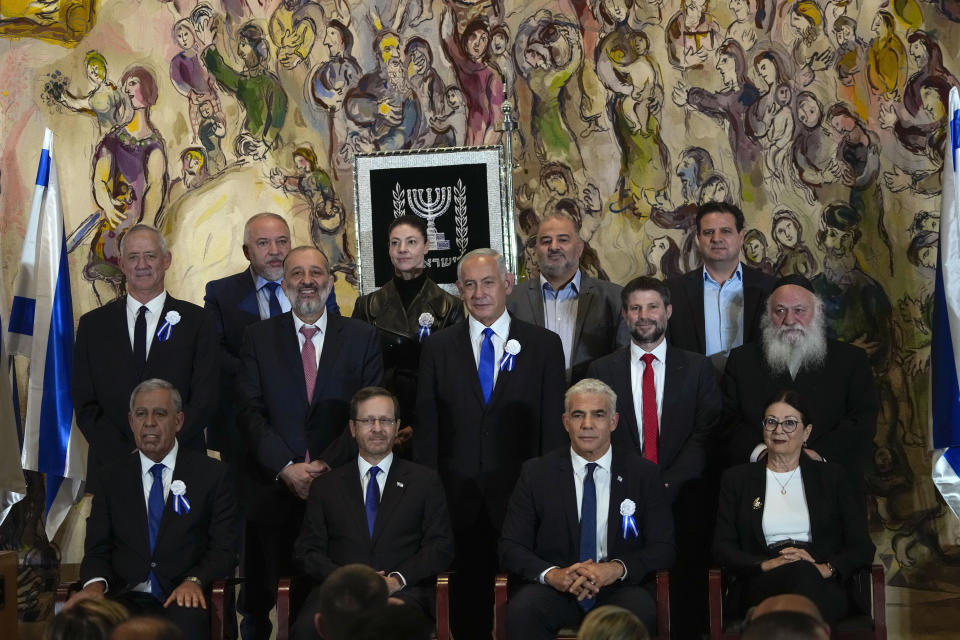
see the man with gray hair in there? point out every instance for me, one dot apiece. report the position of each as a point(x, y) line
point(147, 334)
point(181, 500)
point(833, 377)
point(489, 397)
point(567, 568)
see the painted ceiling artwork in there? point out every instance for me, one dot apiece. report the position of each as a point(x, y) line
point(825, 120)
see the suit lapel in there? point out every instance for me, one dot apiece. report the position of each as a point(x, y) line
point(248, 297)
point(585, 302)
point(158, 348)
point(288, 353)
point(504, 377)
point(133, 497)
point(694, 286)
point(757, 490)
point(467, 363)
point(535, 298)
point(355, 502)
point(394, 488)
point(569, 496)
point(332, 345)
point(181, 472)
point(618, 492)
point(672, 396)
point(623, 386)
point(118, 327)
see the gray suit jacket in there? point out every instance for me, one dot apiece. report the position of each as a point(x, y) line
point(599, 328)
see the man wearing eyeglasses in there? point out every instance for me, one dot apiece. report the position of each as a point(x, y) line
point(381, 511)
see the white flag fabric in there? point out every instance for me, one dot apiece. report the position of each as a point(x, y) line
point(43, 319)
point(12, 486)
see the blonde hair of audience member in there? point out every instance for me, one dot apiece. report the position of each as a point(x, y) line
point(90, 619)
point(611, 622)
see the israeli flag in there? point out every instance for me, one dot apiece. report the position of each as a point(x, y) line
point(945, 350)
point(12, 485)
point(41, 327)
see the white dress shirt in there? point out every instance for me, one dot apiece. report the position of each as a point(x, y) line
point(501, 332)
point(785, 516)
point(384, 465)
point(637, 367)
point(560, 312)
point(317, 339)
point(152, 316)
point(263, 296)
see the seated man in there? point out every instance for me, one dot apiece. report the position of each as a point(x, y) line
point(155, 552)
point(572, 560)
point(405, 535)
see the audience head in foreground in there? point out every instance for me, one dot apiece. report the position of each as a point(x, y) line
point(393, 622)
point(347, 596)
point(611, 622)
point(786, 625)
point(147, 628)
point(87, 620)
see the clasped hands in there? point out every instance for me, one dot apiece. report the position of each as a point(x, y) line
point(793, 554)
point(299, 475)
point(584, 579)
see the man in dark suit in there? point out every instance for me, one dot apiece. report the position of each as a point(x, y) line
point(159, 553)
point(583, 311)
point(237, 301)
point(489, 396)
point(833, 377)
point(147, 334)
point(588, 524)
point(719, 306)
point(378, 510)
point(297, 374)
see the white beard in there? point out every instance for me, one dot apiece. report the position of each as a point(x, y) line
point(785, 353)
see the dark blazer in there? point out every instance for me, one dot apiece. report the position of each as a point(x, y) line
point(478, 448)
point(599, 328)
point(104, 375)
point(202, 542)
point(688, 419)
point(838, 519)
point(276, 416)
point(686, 327)
point(542, 528)
point(411, 534)
point(841, 397)
point(232, 304)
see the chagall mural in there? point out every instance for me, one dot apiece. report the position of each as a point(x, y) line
point(194, 115)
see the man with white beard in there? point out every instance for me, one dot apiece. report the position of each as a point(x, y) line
point(834, 378)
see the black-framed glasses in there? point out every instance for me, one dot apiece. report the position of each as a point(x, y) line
point(369, 422)
point(789, 425)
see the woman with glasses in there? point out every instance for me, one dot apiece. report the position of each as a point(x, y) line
point(790, 524)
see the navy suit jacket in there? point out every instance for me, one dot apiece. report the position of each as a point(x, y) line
point(542, 526)
point(688, 419)
point(686, 327)
point(202, 542)
point(104, 375)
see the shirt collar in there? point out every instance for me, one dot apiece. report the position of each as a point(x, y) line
point(155, 305)
point(383, 464)
point(260, 280)
point(737, 275)
point(580, 464)
point(321, 323)
point(659, 352)
point(500, 326)
point(574, 283)
point(169, 460)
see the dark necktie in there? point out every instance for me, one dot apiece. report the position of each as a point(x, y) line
point(373, 498)
point(275, 308)
point(588, 525)
point(154, 515)
point(651, 432)
point(140, 337)
point(485, 366)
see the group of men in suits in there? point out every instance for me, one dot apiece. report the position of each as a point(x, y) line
point(490, 397)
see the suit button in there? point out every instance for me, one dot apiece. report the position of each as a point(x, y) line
point(153, 565)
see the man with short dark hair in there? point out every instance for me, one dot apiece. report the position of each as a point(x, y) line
point(147, 334)
point(164, 526)
point(406, 533)
point(785, 625)
point(349, 593)
point(718, 307)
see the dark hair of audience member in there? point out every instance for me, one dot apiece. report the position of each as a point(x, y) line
point(90, 619)
point(393, 622)
point(784, 625)
point(611, 622)
point(347, 595)
point(147, 628)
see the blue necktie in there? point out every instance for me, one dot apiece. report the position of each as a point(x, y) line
point(154, 515)
point(373, 498)
point(485, 366)
point(275, 308)
point(588, 525)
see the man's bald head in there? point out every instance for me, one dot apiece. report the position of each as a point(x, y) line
point(787, 602)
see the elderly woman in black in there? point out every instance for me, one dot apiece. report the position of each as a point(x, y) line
point(406, 310)
point(788, 524)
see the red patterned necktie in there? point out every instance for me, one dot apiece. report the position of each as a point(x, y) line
point(308, 356)
point(651, 432)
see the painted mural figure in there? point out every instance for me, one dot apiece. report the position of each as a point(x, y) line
point(590, 22)
point(193, 173)
point(190, 77)
point(887, 59)
point(755, 251)
point(812, 51)
point(794, 255)
point(479, 79)
point(104, 100)
point(851, 66)
point(427, 85)
point(129, 180)
point(293, 28)
point(256, 89)
point(743, 28)
point(770, 119)
point(212, 131)
point(692, 35)
point(814, 151)
point(693, 169)
point(328, 87)
point(663, 258)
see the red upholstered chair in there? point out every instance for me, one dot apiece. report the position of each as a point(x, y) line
point(500, 609)
point(285, 615)
point(856, 627)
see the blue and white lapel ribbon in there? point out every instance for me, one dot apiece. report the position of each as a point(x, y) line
point(630, 525)
point(423, 332)
point(166, 329)
point(510, 351)
point(425, 321)
point(181, 505)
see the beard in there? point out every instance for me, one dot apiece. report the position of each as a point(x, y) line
point(789, 349)
point(396, 77)
point(656, 332)
point(307, 308)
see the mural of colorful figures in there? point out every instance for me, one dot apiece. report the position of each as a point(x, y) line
point(824, 120)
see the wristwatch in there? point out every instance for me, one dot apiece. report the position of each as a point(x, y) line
point(193, 579)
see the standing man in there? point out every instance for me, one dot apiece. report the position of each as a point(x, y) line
point(489, 397)
point(567, 534)
point(718, 306)
point(406, 533)
point(583, 311)
point(147, 334)
point(154, 552)
point(297, 374)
